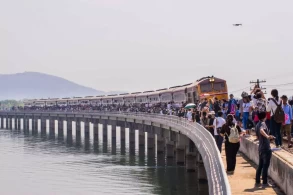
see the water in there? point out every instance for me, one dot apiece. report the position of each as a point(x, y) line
point(43, 164)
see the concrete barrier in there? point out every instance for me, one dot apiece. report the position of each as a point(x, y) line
point(281, 168)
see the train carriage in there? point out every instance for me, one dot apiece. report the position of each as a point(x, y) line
point(166, 96)
point(51, 102)
point(206, 87)
point(118, 99)
point(130, 98)
point(154, 97)
point(63, 102)
point(107, 100)
point(142, 98)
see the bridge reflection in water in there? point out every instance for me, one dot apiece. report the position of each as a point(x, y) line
point(128, 147)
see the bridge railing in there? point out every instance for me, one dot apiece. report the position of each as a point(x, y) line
point(204, 141)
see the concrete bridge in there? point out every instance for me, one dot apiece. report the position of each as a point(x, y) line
point(189, 143)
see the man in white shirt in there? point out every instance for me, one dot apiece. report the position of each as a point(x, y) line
point(218, 123)
point(189, 115)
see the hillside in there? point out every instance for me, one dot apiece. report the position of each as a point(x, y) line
point(39, 85)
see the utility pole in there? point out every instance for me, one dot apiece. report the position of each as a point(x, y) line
point(257, 84)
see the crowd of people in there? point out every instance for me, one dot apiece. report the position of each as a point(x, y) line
point(169, 108)
point(270, 118)
point(226, 120)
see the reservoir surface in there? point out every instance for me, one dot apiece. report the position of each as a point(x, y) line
point(39, 163)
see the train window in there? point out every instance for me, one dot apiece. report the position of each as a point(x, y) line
point(179, 97)
point(166, 97)
point(206, 87)
point(219, 86)
point(153, 99)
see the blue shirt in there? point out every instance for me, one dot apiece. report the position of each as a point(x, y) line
point(288, 111)
point(231, 101)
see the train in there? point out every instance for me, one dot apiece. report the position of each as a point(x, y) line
point(206, 87)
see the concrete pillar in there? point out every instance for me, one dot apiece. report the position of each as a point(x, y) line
point(151, 141)
point(180, 155)
point(122, 134)
point(15, 122)
point(10, 123)
point(114, 125)
point(191, 162)
point(69, 127)
point(87, 128)
point(131, 131)
point(43, 125)
point(160, 139)
point(52, 126)
point(60, 127)
point(131, 136)
point(122, 138)
point(141, 138)
point(105, 131)
point(19, 123)
point(33, 123)
point(96, 130)
point(78, 128)
point(170, 149)
point(202, 176)
point(2, 123)
point(26, 123)
point(7, 122)
point(181, 144)
point(34, 126)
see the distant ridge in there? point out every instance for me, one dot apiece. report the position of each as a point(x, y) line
point(39, 85)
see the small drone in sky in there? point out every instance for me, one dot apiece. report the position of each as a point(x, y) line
point(237, 24)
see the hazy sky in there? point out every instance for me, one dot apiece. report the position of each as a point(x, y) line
point(136, 45)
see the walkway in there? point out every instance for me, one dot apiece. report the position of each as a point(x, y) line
point(242, 182)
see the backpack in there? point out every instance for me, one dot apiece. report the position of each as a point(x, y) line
point(279, 114)
point(234, 135)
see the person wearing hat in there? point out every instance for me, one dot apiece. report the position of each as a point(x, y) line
point(286, 126)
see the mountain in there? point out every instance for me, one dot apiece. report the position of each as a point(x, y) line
point(39, 85)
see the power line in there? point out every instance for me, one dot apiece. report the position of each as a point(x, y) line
point(279, 84)
point(240, 89)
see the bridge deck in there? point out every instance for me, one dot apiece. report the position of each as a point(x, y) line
point(243, 180)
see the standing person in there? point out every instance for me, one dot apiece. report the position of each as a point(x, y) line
point(225, 108)
point(204, 120)
point(286, 127)
point(211, 105)
point(247, 108)
point(193, 115)
point(240, 102)
point(203, 104)
point(264, 149)
point(211, 118)
point(189, 115)
point(217, 125)
point(197, 117)
point(232, 104)
point(231, 149)
point(291, 104)
point(275, 126)
point(217, 106)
